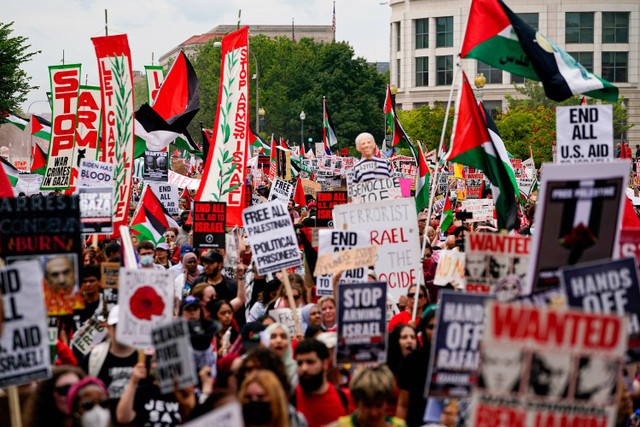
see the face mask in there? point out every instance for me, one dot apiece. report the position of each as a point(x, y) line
point(186, 227)
point(96, 417)
point(146, 260)
point(256, 413)
point(311, 383)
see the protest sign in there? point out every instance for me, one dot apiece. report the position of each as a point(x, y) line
point(450, 269)
point(281, 190)
point(273, 241)
point(545, 367)
point(95, 174)
point(577, 218)
point(24, 347)
point(89, 335)
point(330, 241)
point(146, 301)
point(527, 185)
point(156, 166)
point(584, 133)
point(110, 274)
point(232, 243)
point(183, 181)
point(28, 183)
point(443, 182)
point(227, 415)
point(455, 352)
point(518, 169)
point(208, 225)
point(608, 286)
point(392, 225)
point(174, 356)
point(361, 323)
point(496, 264)
point(325, 204)
point(310, 187)
point(345, 260)
point(283, 163)
point(285, 317)
point(475, 182)
point(167, 194)
point(96, 210)
point(550, 297)
point(376, 189)
point(481, 209)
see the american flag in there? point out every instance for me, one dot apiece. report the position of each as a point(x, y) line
point(334, 17)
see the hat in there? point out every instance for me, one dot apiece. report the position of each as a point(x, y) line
point(311, 205)
point(262, 187)
point(212, 256)
point(163, 246)
point(112, 319)
point(73, 391)
point(189, 301)
point(251, 335)
point(186, 249)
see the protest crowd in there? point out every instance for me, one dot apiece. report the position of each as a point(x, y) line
point(299, 287)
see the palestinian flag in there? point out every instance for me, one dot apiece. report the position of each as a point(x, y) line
point(39, 160)
point(272, 159)
point(400, 138)
point(15, 120)
point(477, 143)
point(497, 36)
point(151, 220)
point(40, 127)
point(298, 195)
point(256, 141)
point(329, 134)
point(388, 108)
point(446, 218)
point(422, 183)
point(11, 172)
point(207, 141)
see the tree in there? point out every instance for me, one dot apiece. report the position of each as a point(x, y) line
point(14, 82)
point(425, 124)
point(140, 92)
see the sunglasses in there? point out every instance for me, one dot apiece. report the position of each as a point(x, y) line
point(87, 405)
point(62, 390)
point(170, 235)
point(412, 294)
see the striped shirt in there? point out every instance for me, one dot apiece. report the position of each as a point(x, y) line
point(373, 168)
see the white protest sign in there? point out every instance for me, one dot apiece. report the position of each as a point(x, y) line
point(24, 347)
point(174, 355)
point(168, 196)
point(281, 190)
point(273, 241)
point(183, 181)
point(95, 174)
point(285, 317)
point(376, 189)
point(86, 337)
point(330, 241)
point(227, 415)
point(584, 133)
point(481, 209)
point(392, 225)
point(450, 269)
point(145, 297)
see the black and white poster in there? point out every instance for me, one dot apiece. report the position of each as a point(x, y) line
point(174, 355)
point(584, 133)
point(96, 210)
point(281, 190)
point(156, 166)
point(167, 194)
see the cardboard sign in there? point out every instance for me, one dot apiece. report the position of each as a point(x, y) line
point(167, 194)
point(146, 301)
point(392, 225)
point(208, 225)
point(174, 356)
point(95, 174)
point(456, 351)
point(330, 241)
point(584, 133)
point(285, 317)
point(281, 190)
point(273, 241)
point(345, 260)
point(227, 415)
point(544, 367)
point(607, 287)
point(88, 336)
point(310, 187)
point(376, 189)
point(24, 348)
point(577, 218)
point(325, 204)
point(110, 274)
point(156, 166)
point(96, 210)
point(496, 264)
point(361, 323)
point(450, 269)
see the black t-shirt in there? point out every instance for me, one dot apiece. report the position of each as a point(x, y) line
point(154, 409)
point(412, 376)
point(227, 289)
point(88, 310)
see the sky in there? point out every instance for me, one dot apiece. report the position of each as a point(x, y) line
point(156, 26)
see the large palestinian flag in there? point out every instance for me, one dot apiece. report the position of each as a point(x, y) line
point(40, 127)
point(15, 120)
point(328, 130)
point(497, 36)
point(151, 220)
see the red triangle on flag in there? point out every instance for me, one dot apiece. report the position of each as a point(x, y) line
point(39, 158)
point(629, 217)
point(35, 125)
point(298, 197)
point(486, 19)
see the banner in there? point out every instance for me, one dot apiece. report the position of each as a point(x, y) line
point(376, 189)
point(146, 301)
point(584, 133)
point(87, 129)
point(65, 84)
point(155, 77)
point(208, 225)
point(361, 318)
point(95, 174)
point(96, 206)
point(156, 166)
point(327, 200)
point(24, 347)
point(224, 175)
point(167, 194)
point(544, 367)
point(456, 350)
point(174, 356)
point(281, 190)
point(310, 187)
point(273, 241)
point(183, 181)
point(116, 82)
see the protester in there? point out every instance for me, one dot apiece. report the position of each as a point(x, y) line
point(88, 402)
point(90, 289)
point(404, 318)
point(162, 256)
point(185, 229)
point(185, 280)
point(268, 294)
point(280, 342)
point(328, 307)
point(311, 316)
point(146, 254)
point(222, 311)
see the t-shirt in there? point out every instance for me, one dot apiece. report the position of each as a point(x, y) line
point(412, 376)
point(373, 168)
point(322, 409)
point(154, 409)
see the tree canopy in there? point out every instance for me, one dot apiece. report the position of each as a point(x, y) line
point(14, 82)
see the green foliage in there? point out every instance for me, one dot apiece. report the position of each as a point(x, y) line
point(14, 82)
point(294, 76)
point(425, 124)
point(140, 93)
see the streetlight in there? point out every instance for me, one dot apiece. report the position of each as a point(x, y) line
point(394, 91)
point(255, 77)
point(261, 113)
point(480, 81)
point(302, 117)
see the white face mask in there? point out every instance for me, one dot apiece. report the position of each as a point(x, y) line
point(96, 417)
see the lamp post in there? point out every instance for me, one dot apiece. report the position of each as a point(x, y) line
point(302, 117)
point(261, 113)
point(479, 82)
point(394, 91)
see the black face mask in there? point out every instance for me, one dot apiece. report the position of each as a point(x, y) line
point(256, 412)
point(311, 383)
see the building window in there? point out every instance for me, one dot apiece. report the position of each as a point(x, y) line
point(398, 73)
point(584, 58)
point(398, 35)
point(615, 66)
point(615, 27)
point(492, 74)
point(579, 27)
point(517, 79)
point(418, 105)
point(493, 107)
point(444, 31)
point(531, 19)
point(422, 71)
point(444, 70)
point(422, 33)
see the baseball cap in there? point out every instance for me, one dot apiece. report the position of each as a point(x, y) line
point(112, 319)
point(189, 301)
point(212, 256)
point(251, 335)
point(163, 246)
point(186, 249)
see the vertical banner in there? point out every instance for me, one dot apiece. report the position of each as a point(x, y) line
point(87, 129)
point(224, 176)
point(65, 84)
point(155, 76)
point(114, 65)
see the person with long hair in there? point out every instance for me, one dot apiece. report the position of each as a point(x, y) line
point(280, 342)
point(88, 402)
point(263, 400)
point(402, 341)
point(328, 308)
point(222, 311)
point(268, 294)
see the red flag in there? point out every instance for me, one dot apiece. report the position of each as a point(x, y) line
point(298, 197)
point(629, 217)
point(185, 193)
point(272, 159)
point(5, 186)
